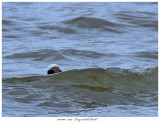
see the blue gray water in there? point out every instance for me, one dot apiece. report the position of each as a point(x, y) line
point(108, 53)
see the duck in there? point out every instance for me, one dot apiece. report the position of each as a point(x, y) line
point(53, 68)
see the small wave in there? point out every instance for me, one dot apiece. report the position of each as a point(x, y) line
point(37, 55)
point(5, 30)
point(144, 19)
point(38, 32)
point(60, 29)
point(95, 23)
point(49, 54)
point(7, 22)
point(22, 3)
point(153, 55)
point(30, 19)
point(11, 36)
point(84, 53)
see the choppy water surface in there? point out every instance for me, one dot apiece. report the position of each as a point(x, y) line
point(108, 53)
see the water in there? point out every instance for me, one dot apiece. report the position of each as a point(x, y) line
point(108, 53)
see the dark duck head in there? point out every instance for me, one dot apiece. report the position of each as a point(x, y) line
point(53, 68)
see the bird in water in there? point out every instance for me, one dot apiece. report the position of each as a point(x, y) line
point(53, 68)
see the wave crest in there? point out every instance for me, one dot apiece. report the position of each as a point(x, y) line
point(109, 86)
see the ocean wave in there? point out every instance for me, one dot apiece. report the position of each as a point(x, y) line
point(84, 53)
point(38, 55)
point(50, 54)
point(143, 19)
point(95, 23)
point(58, 28)
point(110, 80)
point(8, 22)
point(146, 54)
